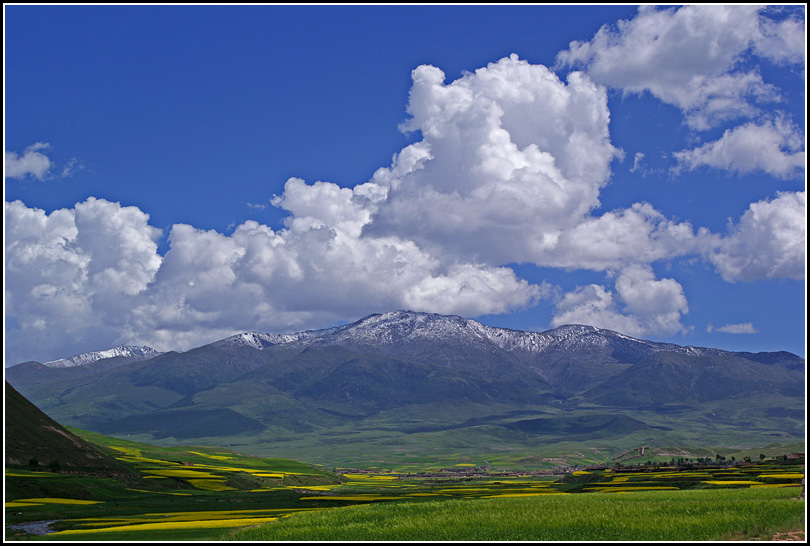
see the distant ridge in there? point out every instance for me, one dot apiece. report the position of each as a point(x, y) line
point(126, 351)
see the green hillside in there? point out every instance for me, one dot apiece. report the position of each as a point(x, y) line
point(35, 441)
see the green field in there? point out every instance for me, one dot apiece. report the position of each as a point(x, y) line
point(212, 493)
point(651, 515)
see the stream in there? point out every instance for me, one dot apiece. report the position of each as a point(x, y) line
point(35, 527)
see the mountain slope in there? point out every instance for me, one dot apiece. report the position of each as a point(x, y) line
point(31, 435)
point(671, 378)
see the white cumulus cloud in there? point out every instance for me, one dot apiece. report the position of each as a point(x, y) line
point(93, 273)
point(689, 57)
point(510, 155)
point(768, 242)
point(640, 306)
point(774, 147)
point(71, 276)
point(31, 163)
point(638, 234)
point(782, 41)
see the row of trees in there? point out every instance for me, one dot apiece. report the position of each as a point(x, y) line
point(718, 459)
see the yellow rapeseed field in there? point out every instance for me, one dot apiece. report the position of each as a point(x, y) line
point(362, 497)
point(53, 500)
point(183, 473)
point(165, 525)
point(128, 450)
point(217, 457)
point(210, 485)
point(158, 492)
point(731, 482)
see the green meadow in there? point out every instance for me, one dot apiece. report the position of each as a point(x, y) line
point(648, 515)
point(213, 493)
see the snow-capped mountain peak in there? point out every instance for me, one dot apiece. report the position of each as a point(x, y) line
point(129, 351)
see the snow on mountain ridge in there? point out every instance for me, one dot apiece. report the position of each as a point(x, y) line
point(394, 326)
point(260, 341)
point(405, 325)
point(410, 326)
point(89, 358)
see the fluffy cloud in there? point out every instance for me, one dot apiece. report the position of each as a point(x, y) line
point(781, 41)
point(773, 147)
point(638, 234)
point(32, 163)
point(642, 305)
point(510, 155)
point(96, 249)
point(93, 272)
point(594, 305)
point(769, 241)
point(473, 290)
point(316, 270)
point(71, 275)
point(690, 56)
point(324, 204)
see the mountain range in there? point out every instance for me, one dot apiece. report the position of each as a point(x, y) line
point(408, 383)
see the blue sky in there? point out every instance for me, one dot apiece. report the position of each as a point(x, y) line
point(174, 175)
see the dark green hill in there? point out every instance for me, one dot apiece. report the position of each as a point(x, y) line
point(588, 427)
point(185, 423)
point(669, 378)
point(33, 436)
